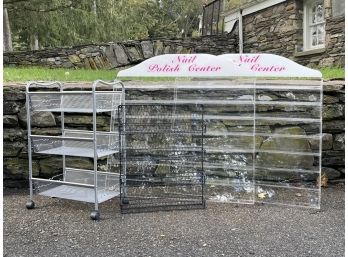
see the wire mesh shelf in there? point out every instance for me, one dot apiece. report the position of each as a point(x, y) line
point(77, 143)
point(78, 102)
point(78, 185)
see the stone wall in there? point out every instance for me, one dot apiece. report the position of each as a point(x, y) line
point(15, 135)
point(274, 30)
point(112, 55)
point(335, 43)
point(279, 30)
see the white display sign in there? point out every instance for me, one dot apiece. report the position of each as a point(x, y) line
point(226, 65)
point(270, 65)
point(184, 65)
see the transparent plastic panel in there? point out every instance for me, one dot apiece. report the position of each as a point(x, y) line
point(285, 140)
point(272, 193)
point(228, 143)
point(269, 130)
point(310, 126)
point(288, 158)
point(287, 112)
point(229, 184)
point(192, 92)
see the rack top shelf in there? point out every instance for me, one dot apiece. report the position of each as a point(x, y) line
point(58, 87)
point(75, 102)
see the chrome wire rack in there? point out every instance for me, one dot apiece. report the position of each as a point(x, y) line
point(80, 184)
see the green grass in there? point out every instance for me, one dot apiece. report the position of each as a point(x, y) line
point(24, 74)
point(332, 73)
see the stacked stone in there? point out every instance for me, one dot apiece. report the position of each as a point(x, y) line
point(333, 129)
point(46, 123)
point(43, 123)
point(335, 42)
point(272, 30)
point(113, 55)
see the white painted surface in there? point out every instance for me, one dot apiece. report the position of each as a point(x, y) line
point(270, 65)
point(184, 65)
point(226, 65)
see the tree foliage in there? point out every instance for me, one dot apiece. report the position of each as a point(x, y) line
point(69, 22)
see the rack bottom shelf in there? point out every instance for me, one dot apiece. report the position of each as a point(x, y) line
point(79, 193)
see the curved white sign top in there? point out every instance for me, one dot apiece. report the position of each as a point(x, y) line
point(184, 65)
point(270, 65)
point(226, 65)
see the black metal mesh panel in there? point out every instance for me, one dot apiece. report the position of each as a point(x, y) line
point(162, 157)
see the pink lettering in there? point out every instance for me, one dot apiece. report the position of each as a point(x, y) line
point(186, 59)
point(247, 59)
point(258, 68)
point(196, 68)
point(165, 68)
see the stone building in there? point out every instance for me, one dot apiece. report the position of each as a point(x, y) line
point(310, 32)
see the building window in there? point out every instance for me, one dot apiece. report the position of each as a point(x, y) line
point(314, 24)
point(212, 22)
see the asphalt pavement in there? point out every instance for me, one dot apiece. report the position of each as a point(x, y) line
point(63, 228)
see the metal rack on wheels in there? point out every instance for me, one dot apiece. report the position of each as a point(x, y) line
point(161, 161)
point(74, 183)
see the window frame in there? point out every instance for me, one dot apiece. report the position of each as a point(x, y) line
point(307, 37)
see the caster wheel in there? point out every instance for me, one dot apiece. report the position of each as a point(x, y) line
point(95, 215)
point(125, 201)
point(30, 205)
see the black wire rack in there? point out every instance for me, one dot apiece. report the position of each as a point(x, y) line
point(161, 157)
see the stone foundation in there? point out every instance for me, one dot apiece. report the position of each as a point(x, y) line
point(15, 135)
